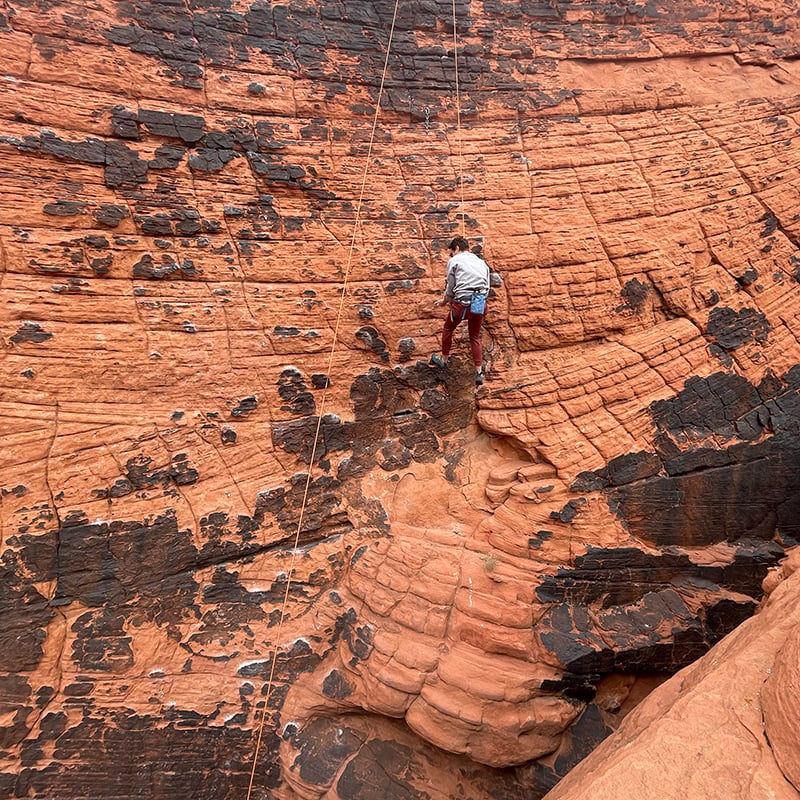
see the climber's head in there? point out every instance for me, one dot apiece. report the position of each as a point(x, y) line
point(459, 245)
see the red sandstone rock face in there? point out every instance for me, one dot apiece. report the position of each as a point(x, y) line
point(723, 727)
point(470, 590)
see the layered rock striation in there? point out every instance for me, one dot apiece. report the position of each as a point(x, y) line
point(724, 726)
point(251, 542)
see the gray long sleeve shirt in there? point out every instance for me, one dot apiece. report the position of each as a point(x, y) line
point(466, 273)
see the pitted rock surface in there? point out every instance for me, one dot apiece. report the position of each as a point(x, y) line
point(237, 505)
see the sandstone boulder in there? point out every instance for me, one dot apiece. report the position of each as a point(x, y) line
point(723, 727)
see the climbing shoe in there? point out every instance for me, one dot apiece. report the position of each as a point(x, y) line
point(437, 361)
point(479, 377)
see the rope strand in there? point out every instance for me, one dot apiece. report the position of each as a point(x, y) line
point(356, 223)
point(458, 125)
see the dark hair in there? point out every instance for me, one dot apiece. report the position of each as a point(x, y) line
point(459, 243)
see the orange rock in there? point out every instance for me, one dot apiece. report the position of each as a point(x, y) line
point(230, 482)
point(705, 728)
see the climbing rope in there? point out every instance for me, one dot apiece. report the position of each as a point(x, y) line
point(458, 124)
point(301, 517)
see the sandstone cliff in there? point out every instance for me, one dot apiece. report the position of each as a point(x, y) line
point(229, 477)
point(724, 727)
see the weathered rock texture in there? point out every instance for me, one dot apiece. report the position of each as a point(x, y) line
point(453, 594)
point(724, 727)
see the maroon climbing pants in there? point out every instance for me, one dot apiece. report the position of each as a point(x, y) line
point(458, 313)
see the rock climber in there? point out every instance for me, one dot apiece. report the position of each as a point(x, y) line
point(466, 289)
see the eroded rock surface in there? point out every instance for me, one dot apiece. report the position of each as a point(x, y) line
point(725, 726)
point(229, 476)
